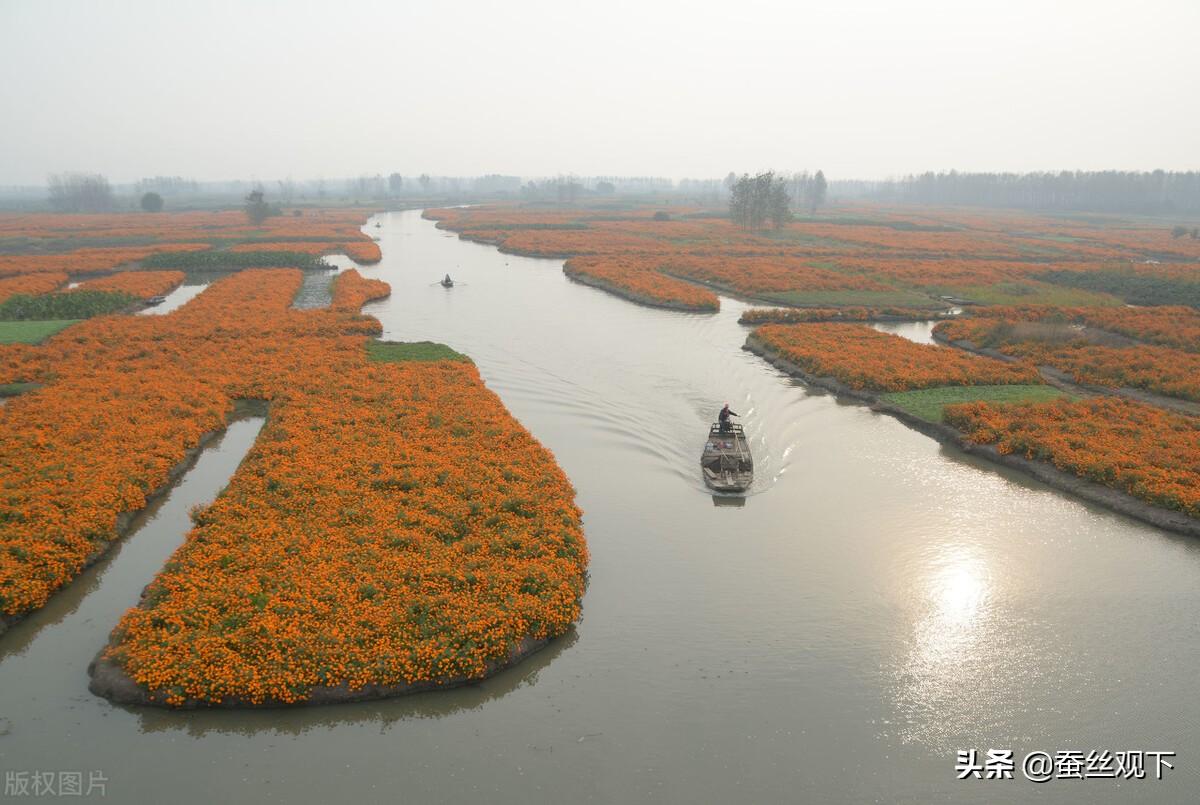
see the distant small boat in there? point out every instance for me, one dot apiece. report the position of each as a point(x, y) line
point(447, 282)
point(726, 462)
point(155, 300)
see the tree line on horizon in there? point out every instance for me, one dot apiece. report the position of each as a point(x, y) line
point(1151, 192)
point(1098, 191)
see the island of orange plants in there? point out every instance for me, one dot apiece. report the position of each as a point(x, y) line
point(140, 284)
point(69, 243)
point(373, 542)
point(640, 284)
point(399, 546)
point(1141, 450)
point(868, 360)
point(798, 315)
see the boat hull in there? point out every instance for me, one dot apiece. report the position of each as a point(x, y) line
point(726, 463)
point(737, 482)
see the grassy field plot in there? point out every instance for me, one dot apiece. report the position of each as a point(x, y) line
point(31, 332)
point(929, 403)
point(400, 351)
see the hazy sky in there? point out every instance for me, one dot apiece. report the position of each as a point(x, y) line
point(257, 89)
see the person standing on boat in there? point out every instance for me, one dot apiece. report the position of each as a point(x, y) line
point(723, 418)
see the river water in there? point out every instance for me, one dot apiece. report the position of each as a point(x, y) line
point(876, 603)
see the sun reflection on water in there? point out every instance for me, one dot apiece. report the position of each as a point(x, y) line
point(954, 621)
point(953, 671)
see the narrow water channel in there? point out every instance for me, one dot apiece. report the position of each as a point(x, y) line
point(919, 331)
point(878, 602)
point(176, 299)
point(317, 289)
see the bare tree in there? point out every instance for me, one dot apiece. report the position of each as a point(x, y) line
point(287, 189)
point(80, 192)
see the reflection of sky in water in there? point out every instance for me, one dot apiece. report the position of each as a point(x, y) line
point(919, 331)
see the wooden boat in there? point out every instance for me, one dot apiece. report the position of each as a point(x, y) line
point(726, 462)
point(155, 300)
point(447, 282)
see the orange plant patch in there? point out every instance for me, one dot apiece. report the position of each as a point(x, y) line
point(142, 284)
point(169, 227)
point(1168, 325)
point(363, 251)
point(352, 290)
point(394, 524)
point(642, 283)
point(382, 540)
point(31, 284)
point(1059, 342)
point(866, 359)
point(792, 315)
point(88, 260)
point(1152, 454)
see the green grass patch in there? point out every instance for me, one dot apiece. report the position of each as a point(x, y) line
point(896, 298)
point(805, 239)
point(929, 403)
point(1033, 293)
point(31, 332)
point(1133, 287)
point(13, 389)
point(235, 260)
point(58, 245)
point(69, 305)
point(398, 351)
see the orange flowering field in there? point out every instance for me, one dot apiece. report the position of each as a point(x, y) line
point(640, 284)
point(1062, 344)
point(81, 244)
point(142, 284)
point(856, 263)
point(372, 536)
point(87, 260)
point(851, 256)
point(866, 359)
point(1167, 325)
point(1139, 449)
point(31, 284)
point(43, 230)
point(361, 251)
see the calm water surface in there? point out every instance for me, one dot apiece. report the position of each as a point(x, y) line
point(878, 602)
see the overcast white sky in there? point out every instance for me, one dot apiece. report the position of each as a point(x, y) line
point(260, 89)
